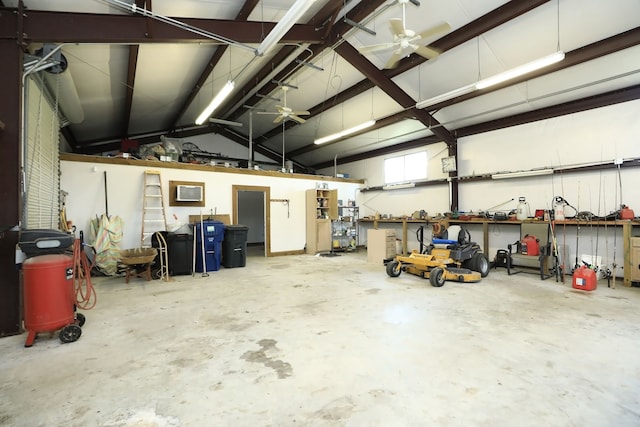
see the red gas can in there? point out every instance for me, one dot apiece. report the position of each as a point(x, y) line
point(584, 278)
point(530, 246)
point(626, 212)
point(47, 293)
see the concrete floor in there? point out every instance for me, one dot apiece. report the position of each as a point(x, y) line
point(332, 341)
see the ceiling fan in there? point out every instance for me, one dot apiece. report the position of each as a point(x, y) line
point(406, 41)
point(286, 113)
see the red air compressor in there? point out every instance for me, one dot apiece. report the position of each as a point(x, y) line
point(54, 284)
point(49, 297)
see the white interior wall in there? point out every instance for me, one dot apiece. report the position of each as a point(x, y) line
point(603, 134)
point(84, 181)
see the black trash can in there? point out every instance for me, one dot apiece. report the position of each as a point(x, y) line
point(180, 252)
point(234, 246)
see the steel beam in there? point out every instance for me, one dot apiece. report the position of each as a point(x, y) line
point(10, 136)
point(244, 13)
point(491, 20)
point(576, 106)
point(361, 11)
point(597, 101)
point(68, 27)
point(371, 72)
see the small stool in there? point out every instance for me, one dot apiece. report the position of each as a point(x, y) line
point(138, 270)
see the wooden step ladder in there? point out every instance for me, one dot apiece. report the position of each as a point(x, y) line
point(153, 215)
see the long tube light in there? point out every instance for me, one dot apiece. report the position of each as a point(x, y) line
point(494, 80)
point(215, 102)
point(446, 96)
point(522, 174)
point(285, 24)
point(345, 132)
point(399, 186)
point(521, 70)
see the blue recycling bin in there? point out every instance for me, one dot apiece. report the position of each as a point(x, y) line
point(212, 233)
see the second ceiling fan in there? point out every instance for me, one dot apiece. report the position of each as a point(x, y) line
point(406, 41)
point(285, 112)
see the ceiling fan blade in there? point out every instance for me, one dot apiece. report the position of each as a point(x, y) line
point(443, 27)
point(278, 119)
point(395, 58)
point(297, 119)
point(267, 112)
point(376, 47)
point(397, 27)
point(426, 52)
point(301, 113)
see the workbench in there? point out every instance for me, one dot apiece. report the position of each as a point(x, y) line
point(627, 231)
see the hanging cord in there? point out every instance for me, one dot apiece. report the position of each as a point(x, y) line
point(85, 294)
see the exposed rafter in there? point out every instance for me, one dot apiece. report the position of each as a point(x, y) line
point(588, 103)
point(321, 17)
point(586, 53)
point(491, 20)
point(131, 78)
point(487, 22)
point(71, 27)
point(244, 13)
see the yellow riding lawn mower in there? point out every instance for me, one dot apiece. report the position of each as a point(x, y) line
point(450, 256)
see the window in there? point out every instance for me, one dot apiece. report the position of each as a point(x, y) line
point(405, 168)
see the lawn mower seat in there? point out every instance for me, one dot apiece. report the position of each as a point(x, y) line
point(451, 237)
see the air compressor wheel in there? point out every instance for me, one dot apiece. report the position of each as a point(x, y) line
point(80, 319)
point(70, 333)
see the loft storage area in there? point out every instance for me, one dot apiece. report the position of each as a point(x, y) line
point(320, 212)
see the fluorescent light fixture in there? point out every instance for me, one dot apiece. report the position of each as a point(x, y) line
point(398, 186)
point(521, 70)
point(494, 80)
point(285, 24)
point(215, 102)
point(446, 96)
point(345, 132)
point(522, 174)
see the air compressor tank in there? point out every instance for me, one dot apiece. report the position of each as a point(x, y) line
point(48, 296)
